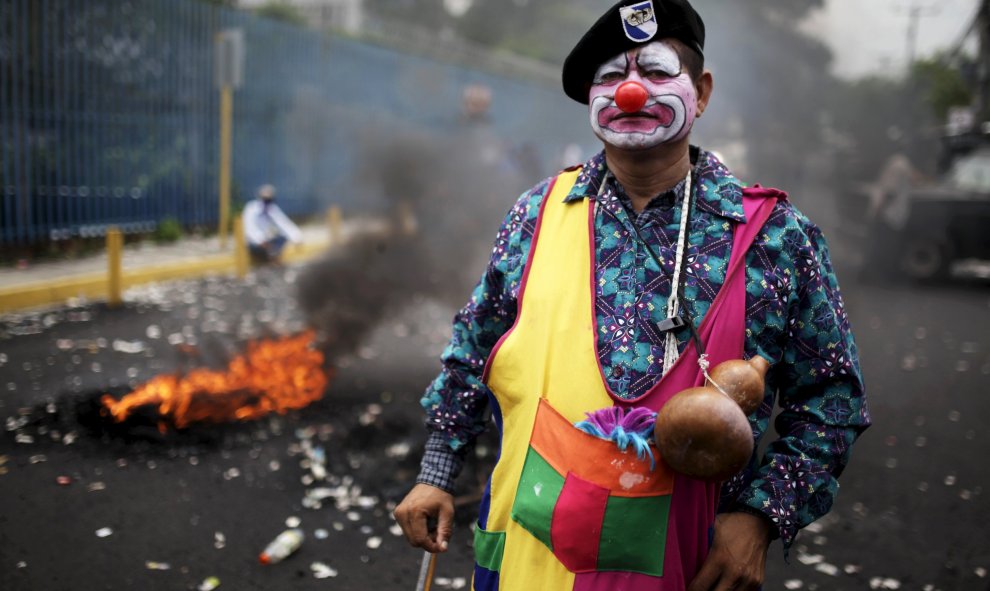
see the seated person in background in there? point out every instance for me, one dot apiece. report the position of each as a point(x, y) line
point(267, 228)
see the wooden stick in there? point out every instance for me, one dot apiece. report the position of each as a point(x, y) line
point(426, 570)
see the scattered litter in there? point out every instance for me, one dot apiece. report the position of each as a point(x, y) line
point(219, 540)
point(24, 438)
point(150, 565)
point(322, 571)
point(851, 569)
point(398, 450)
point(209, 584)
point(104, 532)
point(231, 474)
point(131, 347)
point(374, 542)
point(38, 459)
point(314, 497)
point(828, 569)
point(153, 332)
point(321, 534)
point(882, 583)
point(810, 558)
point(950, 480)
point(954, 416)
point(338, 526)
point(794, 584)
point(22, 564)
point(292, 522)
point(64, 480)
point(285, 544)
point(923, 486)
point(353, 516)
point(395, 530)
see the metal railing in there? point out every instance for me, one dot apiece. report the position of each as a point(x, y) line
point(109, 113)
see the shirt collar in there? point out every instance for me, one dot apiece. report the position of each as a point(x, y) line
point(717, 191)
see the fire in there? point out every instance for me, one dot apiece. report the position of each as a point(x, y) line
point(272, 376)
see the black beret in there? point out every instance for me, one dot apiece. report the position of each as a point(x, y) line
point(626, 25)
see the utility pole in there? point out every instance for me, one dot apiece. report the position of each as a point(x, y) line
point(915, 13)
point(983, 64)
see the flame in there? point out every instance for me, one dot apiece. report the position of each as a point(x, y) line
point(272, 376)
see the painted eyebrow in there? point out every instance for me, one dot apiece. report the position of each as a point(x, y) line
point(619, 63)
point(669, 63)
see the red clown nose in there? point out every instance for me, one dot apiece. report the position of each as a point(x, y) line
point(631, 97)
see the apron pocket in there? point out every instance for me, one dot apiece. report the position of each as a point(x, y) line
point(562, 500)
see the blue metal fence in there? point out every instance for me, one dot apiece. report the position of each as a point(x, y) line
point(109, 114)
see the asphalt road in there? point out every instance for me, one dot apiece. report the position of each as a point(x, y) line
point(911, 513)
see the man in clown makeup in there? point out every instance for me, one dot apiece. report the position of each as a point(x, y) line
point(608, 287)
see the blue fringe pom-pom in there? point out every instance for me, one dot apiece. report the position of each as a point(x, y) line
point(634, 428)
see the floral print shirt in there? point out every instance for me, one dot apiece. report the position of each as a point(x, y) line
point(794, 317)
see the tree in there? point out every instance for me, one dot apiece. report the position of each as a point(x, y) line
point(281, 11)
point(942, 84)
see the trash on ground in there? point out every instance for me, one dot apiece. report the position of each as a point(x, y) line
point(285, 544)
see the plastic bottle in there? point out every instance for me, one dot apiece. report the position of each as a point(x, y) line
point(285, 544)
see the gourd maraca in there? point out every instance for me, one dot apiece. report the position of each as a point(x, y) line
point(703, 433)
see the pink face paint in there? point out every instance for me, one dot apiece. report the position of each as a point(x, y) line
point(669, 111)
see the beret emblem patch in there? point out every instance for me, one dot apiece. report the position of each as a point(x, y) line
point(639, 21)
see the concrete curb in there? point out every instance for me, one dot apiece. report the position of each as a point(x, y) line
point(95, 286)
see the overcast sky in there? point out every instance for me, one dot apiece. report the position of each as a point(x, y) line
point(870, 36)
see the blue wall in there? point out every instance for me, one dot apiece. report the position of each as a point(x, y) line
point(109, 114)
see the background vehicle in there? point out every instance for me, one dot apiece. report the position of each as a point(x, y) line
point(921, 230)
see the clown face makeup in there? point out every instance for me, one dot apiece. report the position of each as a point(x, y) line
point(670, 109)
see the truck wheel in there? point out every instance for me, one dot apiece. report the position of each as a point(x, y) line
point(926, 258)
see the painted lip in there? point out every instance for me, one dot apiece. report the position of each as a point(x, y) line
point(647, 120)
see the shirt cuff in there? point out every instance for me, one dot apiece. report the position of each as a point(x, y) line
point(742, 508)
point(440, 464)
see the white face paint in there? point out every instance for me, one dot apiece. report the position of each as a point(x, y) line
point(669, 112)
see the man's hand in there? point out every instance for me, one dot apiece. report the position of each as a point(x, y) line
point(423, 503)
point(738, 556)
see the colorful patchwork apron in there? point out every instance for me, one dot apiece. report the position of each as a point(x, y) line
point(565, 510)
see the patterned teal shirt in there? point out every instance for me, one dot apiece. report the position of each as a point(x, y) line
point(794, 317)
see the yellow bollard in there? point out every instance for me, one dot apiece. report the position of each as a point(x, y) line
point(333, 223)
point(115, 257)
point(226, 138)
point(241, 259)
